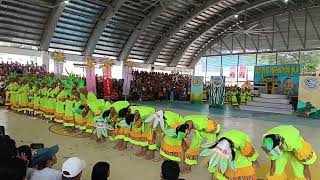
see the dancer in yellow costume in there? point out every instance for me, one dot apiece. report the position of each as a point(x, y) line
point(204, 129)
point(232, 156)
point(121, 127)
point(60, 104)
point(174, 145)
point(137, 134)
point(285, 142)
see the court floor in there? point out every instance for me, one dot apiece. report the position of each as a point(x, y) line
point(124, 165)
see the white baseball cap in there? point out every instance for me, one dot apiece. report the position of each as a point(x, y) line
point(72, 167)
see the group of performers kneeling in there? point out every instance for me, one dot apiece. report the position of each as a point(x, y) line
point(230, 154)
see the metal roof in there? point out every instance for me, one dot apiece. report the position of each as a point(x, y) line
point(168, 32)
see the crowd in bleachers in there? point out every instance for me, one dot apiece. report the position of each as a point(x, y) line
point(19, 163)
point(146, 86)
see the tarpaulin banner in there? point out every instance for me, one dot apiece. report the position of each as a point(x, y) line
point(91, 79)
point(277, 79)
point(232, 72)
point(242, 71)
point(58, 67)
point(127, 80)
point(197, 89)
point(309, 95)
point(107, 81)
point(216, 94)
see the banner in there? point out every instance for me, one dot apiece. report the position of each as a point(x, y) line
point(91, 78)
point(107, 81)
point(58, 67)
point(277, 79)
point(216, 95)
point(127, 80)
point(309, 97)
point(232, 72)
point(242, 71)
point(197, 89)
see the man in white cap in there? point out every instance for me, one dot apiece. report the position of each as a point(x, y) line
point(72, 168)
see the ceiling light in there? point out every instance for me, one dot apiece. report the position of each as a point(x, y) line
point(236, 16)
point(66, 1)
point(286, 1)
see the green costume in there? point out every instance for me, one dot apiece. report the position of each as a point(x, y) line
point(23, 97)
point(137, 135)
point(68, 119)
point(43, 99)
point(78, 116)
point(96, 107)
point(60, 106)
point(243, 97)
point(241, 166)
point(122, 131)
point(205, 129)
point(171, 146)
point(295, 148)
point(234, 100)
point(51, 103)
point(14, 96)
point(31, 98)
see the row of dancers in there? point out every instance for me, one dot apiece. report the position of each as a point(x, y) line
point(230, 154)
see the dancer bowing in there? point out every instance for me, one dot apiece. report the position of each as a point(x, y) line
point(285, 142)
point(204, 129)
point(232, 156)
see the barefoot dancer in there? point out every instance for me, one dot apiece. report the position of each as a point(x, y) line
point(137, 134)
point(154, 129)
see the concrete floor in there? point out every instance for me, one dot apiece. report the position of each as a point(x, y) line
point(124, 165)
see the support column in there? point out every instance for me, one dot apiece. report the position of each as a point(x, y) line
point(44, 56)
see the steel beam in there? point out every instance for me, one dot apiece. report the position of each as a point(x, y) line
point(257, 19)
point(51, 26)
point(213, 23)
point(222, 41)
point(101, 24)
point(153, 15)
point(313, 24)
point(166, 37)
point(296, 28)
point(281, 34)
point(266, 36)
point(243, 49)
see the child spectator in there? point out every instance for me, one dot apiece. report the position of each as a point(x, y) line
point(100, 171)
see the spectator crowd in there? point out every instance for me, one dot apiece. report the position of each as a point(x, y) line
point(19, 163)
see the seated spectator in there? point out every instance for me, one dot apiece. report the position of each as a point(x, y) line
point(100, 171)
point(11, 166)
point(72, 168)
point(25, 153)
point(170, 170)
point(43, 160)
